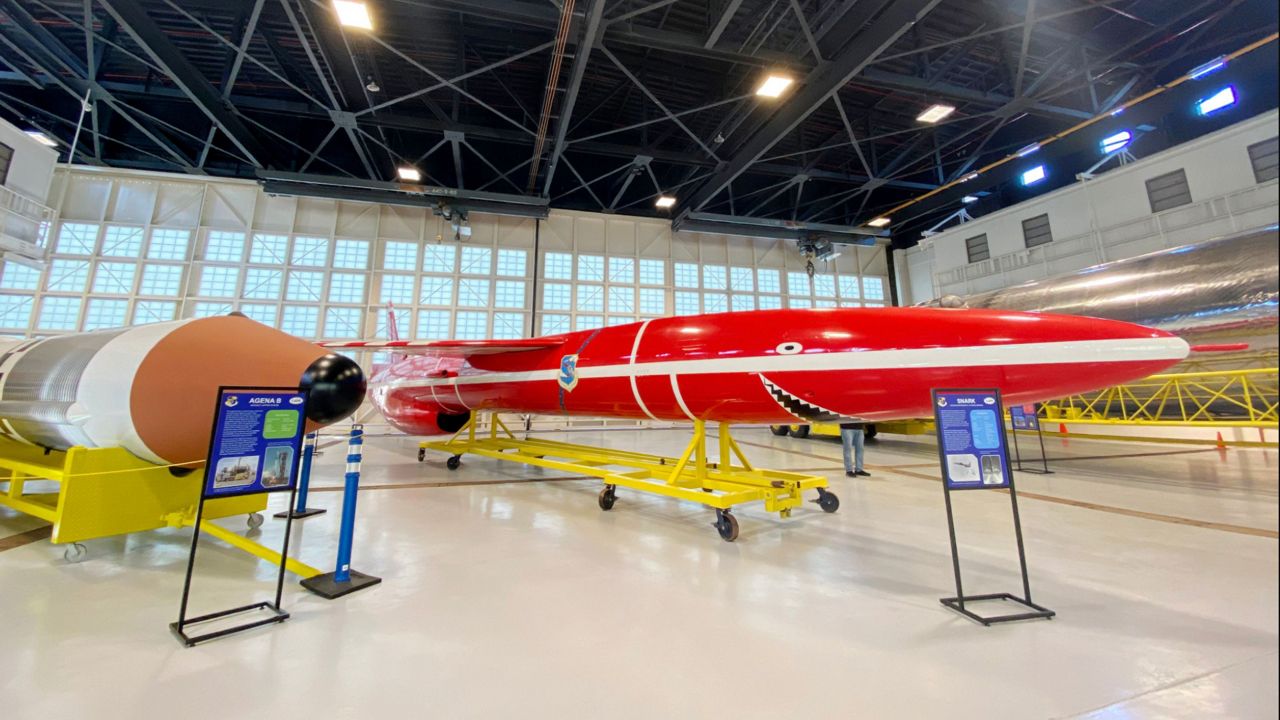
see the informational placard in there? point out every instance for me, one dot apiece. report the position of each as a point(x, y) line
point(1024, 417)
point(257, 437)
point(971, 439)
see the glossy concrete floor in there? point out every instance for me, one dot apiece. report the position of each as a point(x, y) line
point(508, 593)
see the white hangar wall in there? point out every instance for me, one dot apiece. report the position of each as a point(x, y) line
point(130, 247)
point(1107, 218)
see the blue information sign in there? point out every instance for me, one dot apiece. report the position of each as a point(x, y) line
point(1024, 417)
point(971, 439)
point(257, 437)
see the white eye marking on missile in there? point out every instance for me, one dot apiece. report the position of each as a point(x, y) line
point(789, 348)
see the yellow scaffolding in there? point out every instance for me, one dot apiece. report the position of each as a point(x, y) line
point(109, 491)
point(691, 476)
point(1228, 398)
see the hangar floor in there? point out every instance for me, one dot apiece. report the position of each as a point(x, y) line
point(509, 593)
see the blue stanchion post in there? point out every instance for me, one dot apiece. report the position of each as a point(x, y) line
point(343, 579)
point(300, 509)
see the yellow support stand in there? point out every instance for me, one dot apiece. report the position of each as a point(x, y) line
point(102, 492)
point(719, 485)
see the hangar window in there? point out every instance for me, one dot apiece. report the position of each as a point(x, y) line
point(557, 296)
point(619, 320)
point(265, 314)
point(653, 272)
point(300, 320)
point(208, 309)
point(590, 298)
point(310, 251)
point(686, 275)
point(346, 288)
point(687, 303)
point(798, 284)
point(102, 313)
point(849, 288)
point(59, 313)
point(824, 285)
point(473, 292)
point(768, 280)
point(432, 324)
point(436, 291)
point(268, 249)
point(622, 270)
point(223, 246)
point(342, 322)
point(622, 299)
point(168, 244)
point(18, 277)
point(400, 256)
point(439, 258)
point(472, 325)
point(769, 302)
point(396, 289)
point(219, 281)
point(160, 280)
point(588, 322)
point(653, 301)
point(512, 262)
point(151, 311)
point(304, 285)
point(1036, 231)
point(555, 324)
point(122, 241)
point(715, 302)
point(402, 324)
point(76, 239)
point(477, 261)
point(713, 277)
point(1262, 156)
point(976, 248)
point(1168, 191)
point(15, 310)
point(799, 303)
point(261, 284)
point(824, 303)
point(558, 266)
point(873, 288)
point(591, 268)
point(114, 278)
point(351, 254)
point(67, 275)
point(741, 303)
point(508, 326)
point(742, 279)
point(508, 294)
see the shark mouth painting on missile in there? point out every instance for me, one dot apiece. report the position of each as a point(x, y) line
point(802, 409)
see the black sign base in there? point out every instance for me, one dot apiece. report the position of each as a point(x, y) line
point(299, 514)
point(179, 628)
point(326, 587)
point(1037, 612)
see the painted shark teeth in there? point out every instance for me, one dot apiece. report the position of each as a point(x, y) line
point(802, 409)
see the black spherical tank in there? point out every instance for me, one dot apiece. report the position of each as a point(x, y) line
point(337, 387)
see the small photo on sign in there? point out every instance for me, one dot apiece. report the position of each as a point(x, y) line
point(278, 461)
point(963, 468)
point(992, 471)
point(233, 472)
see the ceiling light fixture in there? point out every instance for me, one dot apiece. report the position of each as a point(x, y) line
point(665, 201)
point(41, 138)
point(879, 222)
point(352, 13)
point(774, 85)
point(935, 113)
point(409, 174)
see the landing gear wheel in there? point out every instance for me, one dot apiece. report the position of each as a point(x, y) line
point(453, 462)
point(422, 454)
point(254, 521)
point(608, 496)
point(800, 431)
point(828, 501)
point(780, 430)
point(74, 553)
point(727, 525)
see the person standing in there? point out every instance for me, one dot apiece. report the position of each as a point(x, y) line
point(852, 437)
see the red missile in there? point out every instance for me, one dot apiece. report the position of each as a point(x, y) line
point(152, 389)
point(767, 366)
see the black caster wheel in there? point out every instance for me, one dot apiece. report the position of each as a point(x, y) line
point(75, 553)
point(780, 430)
point(254, 521)
point(453, 462)
point(727, 525)
point(608, 496)
point(422, 454)
point(828, 501)
point(799, 431)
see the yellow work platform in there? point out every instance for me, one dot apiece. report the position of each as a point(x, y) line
point(109, 491)
point(719, 485)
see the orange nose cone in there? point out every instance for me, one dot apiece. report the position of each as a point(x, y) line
point(174, 392)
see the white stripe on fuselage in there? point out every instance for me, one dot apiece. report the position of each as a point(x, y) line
point(635, 388)
point(1050, 353)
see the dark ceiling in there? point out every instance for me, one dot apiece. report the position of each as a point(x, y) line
point(648, 96)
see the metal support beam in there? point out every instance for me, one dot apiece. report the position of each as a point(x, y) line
point(582, 55)
point(730, 9)
point(138, 24)
point(860, 49)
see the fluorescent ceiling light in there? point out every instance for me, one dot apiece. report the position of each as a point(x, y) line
point(969, 199)
point(352, 13)
point(1033, 147)
point(935, 113)
point(665, 201)
point(1115, 142)
point(773, 86)
point(1034, 175)
point(1226, 97)
point(41, 138)
point(409, 174)
point(879, 222)
point(1212, 66)
point(970, 176)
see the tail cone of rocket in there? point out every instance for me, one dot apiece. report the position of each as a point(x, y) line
point(336, 388)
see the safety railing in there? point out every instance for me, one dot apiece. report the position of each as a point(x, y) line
point(1234, 398)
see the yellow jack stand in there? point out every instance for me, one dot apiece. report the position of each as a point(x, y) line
point(691, 477)
point(108, 491)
